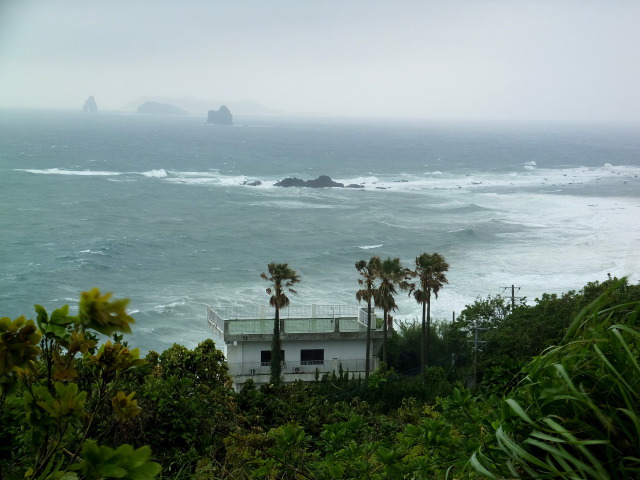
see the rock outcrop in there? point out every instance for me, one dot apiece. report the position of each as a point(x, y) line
point(323, 181)
point(155, 108)
point(222, 116)
point(90, 105)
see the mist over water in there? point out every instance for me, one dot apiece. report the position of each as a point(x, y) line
point(156, 209)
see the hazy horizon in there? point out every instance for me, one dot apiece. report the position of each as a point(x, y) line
point(469, 60)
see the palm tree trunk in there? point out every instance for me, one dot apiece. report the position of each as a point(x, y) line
point(368, 349)
point(427, 336)
point(276, 351)
point(384, 342)
point(423, 356)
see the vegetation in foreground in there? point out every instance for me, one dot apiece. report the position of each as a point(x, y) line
point(553, 394)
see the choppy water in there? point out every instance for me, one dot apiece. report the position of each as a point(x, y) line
point(154, 208)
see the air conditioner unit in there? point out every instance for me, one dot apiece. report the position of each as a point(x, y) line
point(297, 370)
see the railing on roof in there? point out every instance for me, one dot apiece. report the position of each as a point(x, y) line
point(292, 311)
point(295, 319)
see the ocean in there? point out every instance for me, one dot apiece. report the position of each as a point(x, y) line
point(157, 209)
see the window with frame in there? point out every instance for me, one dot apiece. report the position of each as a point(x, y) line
point(265, 357)
point(312, 356)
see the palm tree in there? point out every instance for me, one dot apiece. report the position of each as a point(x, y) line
point(368, 273)
point(391, 274)
point(430, 270)
point(281, 278)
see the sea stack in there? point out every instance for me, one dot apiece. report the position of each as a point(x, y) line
point(222, 116)
point(90, 105)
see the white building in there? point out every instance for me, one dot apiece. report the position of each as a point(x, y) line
point(316, 339)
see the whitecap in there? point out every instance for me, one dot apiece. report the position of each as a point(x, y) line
point(359, 180)
point(211, 174)
point(369, 247)
point(160, 173)
point(57, 171)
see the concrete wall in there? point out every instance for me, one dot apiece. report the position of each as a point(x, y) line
point(244, 359)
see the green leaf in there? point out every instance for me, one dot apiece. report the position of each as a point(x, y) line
point(515, 406)
point(477, 465)
point(60, 316)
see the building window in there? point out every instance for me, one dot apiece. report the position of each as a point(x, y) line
point(312, 357)
point(265, 357)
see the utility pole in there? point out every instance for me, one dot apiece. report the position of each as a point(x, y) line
point(476, 348)
point(513, 295)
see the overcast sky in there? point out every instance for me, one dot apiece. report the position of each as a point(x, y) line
point(493, 59)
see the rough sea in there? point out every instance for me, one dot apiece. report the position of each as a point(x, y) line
point(156, 209)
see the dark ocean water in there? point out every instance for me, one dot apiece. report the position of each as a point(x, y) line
point(155, 209)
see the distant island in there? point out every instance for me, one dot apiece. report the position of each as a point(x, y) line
point(90, 105)
point(196, 106)
point(156, 108)
point(222, 116)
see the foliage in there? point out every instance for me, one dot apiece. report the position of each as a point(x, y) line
point(124, 462)
point(189, 407)
point(577, 412)
point(568, 410)
point(53, 370)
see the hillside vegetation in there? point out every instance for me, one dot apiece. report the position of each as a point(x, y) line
point(552, 392)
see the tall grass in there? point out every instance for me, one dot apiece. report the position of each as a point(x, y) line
point(576, 415)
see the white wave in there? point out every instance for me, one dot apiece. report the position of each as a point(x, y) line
point(121, 179)
point(239, 180)
point(359, 180)
point(369, 247)
point(192, 181)
point(177, 303)
point(58, 171)
point(211, 174)
point(160, 173)
point(93, 252)
point(293, 204)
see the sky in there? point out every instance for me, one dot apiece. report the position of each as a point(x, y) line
point(561, 60)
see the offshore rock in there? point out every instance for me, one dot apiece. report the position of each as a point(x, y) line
point(323, 181)
point(222, 116)
point(90, 105)
point(155, 108)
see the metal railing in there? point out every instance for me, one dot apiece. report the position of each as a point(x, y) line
point(301, 319)
point(215, 322)
point(292, 311)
